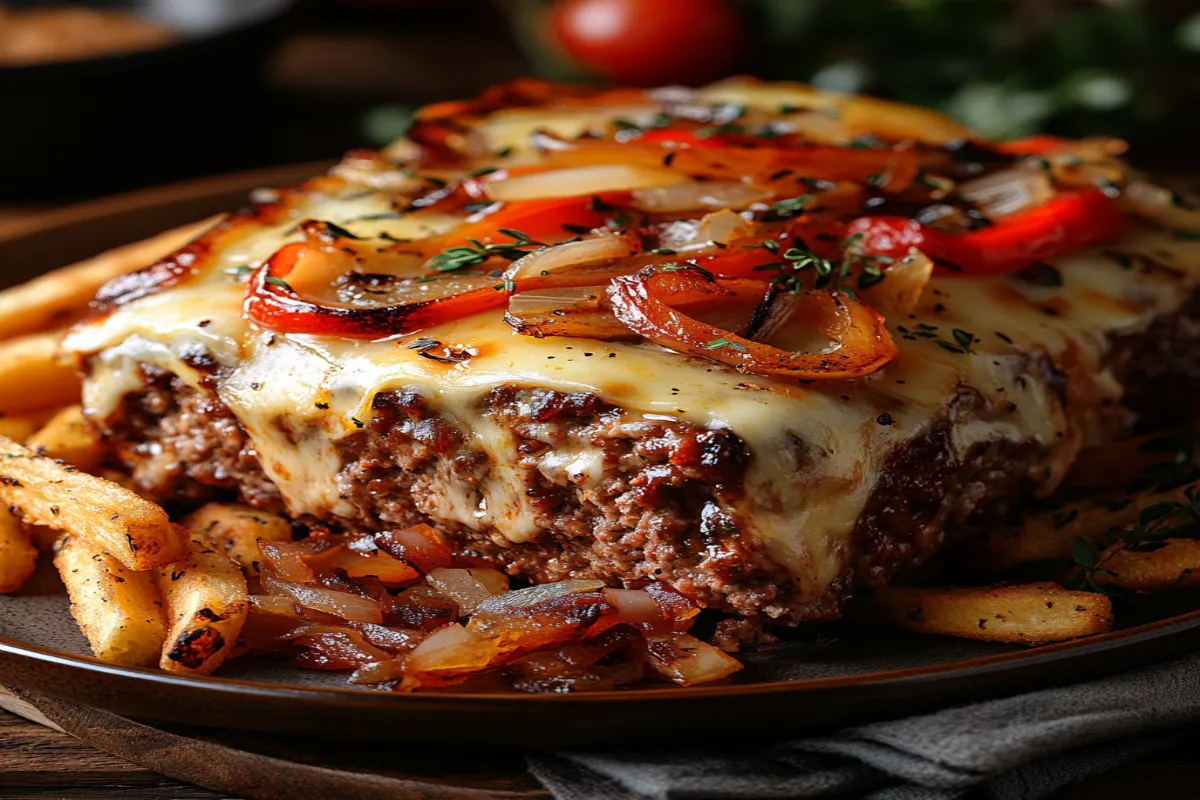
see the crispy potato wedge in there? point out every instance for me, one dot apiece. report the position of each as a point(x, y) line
point(62, 296)
point(207, 603)
point(118, 610)
point(1035, 613)
point(236, 529)
point(18, 555)
point(110, 518)
point(1175, 565)
point(68, 436)
point(32, 377)
point(1049, 535)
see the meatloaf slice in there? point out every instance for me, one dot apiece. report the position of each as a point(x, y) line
point(622, 498)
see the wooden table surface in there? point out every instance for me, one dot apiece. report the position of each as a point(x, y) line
point(37, 763)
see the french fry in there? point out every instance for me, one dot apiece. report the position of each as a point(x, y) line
point(69, 437)
point(207, 603)
point(18, 556)
point(1174, 565)
point(31, 375)
point(1035, 613)
point(108, 517)
point(236, 529)
point(62, 296)
point(1049, 535)
point(118, 610)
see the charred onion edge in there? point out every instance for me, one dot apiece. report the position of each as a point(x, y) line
point(637, 306)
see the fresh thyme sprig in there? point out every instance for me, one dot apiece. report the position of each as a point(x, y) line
point(453, 258)
point(963, 343)
point(867, 269)
point(791, 207)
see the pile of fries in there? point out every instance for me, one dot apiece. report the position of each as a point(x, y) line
point(399, 610)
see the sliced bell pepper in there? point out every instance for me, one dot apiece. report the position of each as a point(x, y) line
point(1069, 222)
point(1038, 145)
point(274, 305)
point(549, 221)
point(679, 137)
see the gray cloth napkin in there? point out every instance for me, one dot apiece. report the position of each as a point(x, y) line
point(1017, 748)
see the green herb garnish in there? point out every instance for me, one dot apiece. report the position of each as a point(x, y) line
point(476, 253)
point(792, 206)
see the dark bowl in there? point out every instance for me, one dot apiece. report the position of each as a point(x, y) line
point(95, 124)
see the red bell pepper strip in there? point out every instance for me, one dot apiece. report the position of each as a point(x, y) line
point(1038, 145)
point(271, 303)
point(548, 221)
point(679, 137)
point(1069, 222)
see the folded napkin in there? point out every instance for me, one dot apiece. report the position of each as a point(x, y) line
point(1017, 748)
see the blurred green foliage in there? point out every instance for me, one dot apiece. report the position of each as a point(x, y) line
point(1004, 67)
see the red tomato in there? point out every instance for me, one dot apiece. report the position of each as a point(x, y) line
point(651, 42)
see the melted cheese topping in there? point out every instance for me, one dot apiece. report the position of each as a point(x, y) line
point(816, 450)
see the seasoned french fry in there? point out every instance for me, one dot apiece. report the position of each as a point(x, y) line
point(117, 609)
point(68, 436)
point(1048, 535)
point(60, 297)
point(31, 375)
point(236, 530)
point(1034, 613)
point(18, 556)
point(112, 519)
point(1175, 565)
point(207, 604)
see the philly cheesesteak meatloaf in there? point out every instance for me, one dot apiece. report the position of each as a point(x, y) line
point(765, 491)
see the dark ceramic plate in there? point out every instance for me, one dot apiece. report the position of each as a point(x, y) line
point(838, 676)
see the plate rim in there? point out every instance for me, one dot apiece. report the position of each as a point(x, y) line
point(1033, 657)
